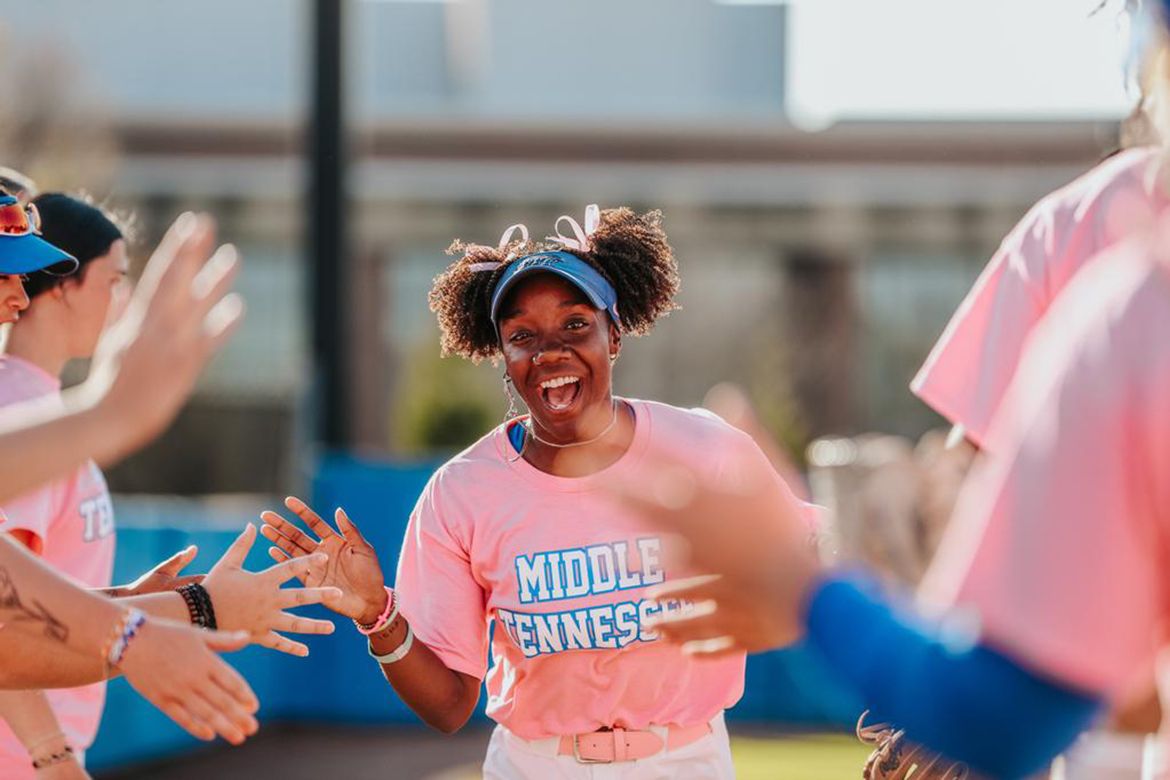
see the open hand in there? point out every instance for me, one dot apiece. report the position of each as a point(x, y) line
point(176, 669)
point(162, 578)
point(352, 566)
point(255, 602)
point(180, 314)
point(746, 529)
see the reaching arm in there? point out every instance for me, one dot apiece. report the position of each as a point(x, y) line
point(172, 666)
point(970, 702)
point(36, 661)
point(39, 442)
point(34, 601)
point(951, 698)
point(145, 366)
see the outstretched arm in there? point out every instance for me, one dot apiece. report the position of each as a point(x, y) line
point(144, 368)
point(172, 666)
point(769, 591)
point(946, 694)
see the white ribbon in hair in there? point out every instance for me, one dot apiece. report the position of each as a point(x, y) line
point(505, 239)
point(581, 242)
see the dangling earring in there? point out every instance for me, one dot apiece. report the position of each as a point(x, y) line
point(513, 411)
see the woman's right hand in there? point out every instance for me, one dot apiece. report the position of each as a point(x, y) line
point(352, 566)
point(180, 314)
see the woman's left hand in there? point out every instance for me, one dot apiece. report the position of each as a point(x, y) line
point(352, 566)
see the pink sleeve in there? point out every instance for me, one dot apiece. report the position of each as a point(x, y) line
point(439, 594)
point(971, 365)
point(1056, 542)
point(33, 512)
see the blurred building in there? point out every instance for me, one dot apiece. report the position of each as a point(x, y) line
point(818, 268)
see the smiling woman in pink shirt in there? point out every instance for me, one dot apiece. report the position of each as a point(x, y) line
point(520, 529)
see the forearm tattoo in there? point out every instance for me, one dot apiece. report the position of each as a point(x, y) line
point(13, 609)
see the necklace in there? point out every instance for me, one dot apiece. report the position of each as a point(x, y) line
point(532, 430)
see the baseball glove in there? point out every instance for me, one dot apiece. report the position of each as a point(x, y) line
point(896, 758)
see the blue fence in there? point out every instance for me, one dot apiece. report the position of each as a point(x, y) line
point(338, 682)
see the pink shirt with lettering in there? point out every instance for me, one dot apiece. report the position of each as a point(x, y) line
point(74, 521)
point(969, 369)
point(1061, 541)
point(562, 569)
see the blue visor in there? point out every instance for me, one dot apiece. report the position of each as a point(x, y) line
point(28, 253)
point(565, 265)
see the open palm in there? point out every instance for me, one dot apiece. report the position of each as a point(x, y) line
point(352, 566)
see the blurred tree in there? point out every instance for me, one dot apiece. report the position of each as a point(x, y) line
point(444, 404)
point(780, 414)
point(54, 127)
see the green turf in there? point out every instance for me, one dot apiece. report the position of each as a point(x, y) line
point(812, 757)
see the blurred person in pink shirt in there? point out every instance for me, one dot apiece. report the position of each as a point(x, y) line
point(68, 523)
point(968, 371)
point(90, 638)
point(1052, 579)
point(966, 374)
point(1050, 591)
point(520, 529)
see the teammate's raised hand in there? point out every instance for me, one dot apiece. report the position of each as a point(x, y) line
point(164, 577)
point(181, 313)
point(175, 668)
point(352, 566)
point(255, 602)
point(746, 528)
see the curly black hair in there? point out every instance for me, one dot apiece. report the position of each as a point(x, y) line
point(630, 250)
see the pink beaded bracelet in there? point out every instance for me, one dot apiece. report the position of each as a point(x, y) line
point(384, 619)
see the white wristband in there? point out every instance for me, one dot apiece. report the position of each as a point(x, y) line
point(398, 654)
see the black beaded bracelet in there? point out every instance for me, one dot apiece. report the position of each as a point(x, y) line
point(205, 606)
point(198, 605)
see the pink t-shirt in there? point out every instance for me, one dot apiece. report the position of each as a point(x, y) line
point(74, 521)
point(561, 568)
point(969, 369)
point(1061, 541)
